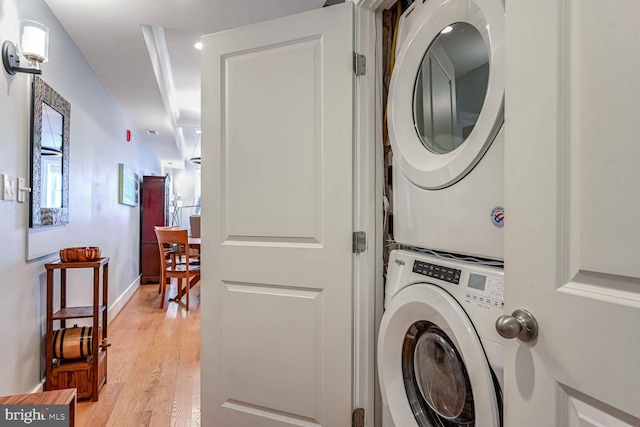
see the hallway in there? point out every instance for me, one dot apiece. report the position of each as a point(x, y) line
point(153, 366)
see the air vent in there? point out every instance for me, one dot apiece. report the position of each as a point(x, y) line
point(151, 132)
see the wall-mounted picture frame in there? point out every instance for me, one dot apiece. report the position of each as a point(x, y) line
point(129, 185)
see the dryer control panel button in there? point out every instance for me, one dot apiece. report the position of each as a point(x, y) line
point(439, 272)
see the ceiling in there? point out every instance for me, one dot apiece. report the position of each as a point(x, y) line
point(143, 51)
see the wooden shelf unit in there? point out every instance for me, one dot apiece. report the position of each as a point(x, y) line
point(76, 312)
point(87, 375)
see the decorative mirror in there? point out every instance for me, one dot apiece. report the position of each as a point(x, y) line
point(450, 88)
point(51, 115)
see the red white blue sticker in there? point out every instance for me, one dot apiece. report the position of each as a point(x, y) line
point(497, 216)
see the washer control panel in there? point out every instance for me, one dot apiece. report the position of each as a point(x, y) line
point(435, 271)
point(485, 290)
point(477, 285)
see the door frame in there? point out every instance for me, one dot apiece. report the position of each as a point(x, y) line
point(368, 213)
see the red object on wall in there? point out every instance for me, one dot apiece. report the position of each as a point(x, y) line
point(128, 135)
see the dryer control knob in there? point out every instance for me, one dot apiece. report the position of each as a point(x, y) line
point(521, 324)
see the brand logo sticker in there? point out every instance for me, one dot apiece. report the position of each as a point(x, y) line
point(497, 216)
point(399, 262)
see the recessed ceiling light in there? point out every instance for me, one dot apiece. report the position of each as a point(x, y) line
point(447, 29)
point(198, 131)
point(151, 132)
point(198, 45)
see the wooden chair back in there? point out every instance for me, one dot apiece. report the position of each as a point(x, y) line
point(167, 250)
point(194, 223)
point(173, 266)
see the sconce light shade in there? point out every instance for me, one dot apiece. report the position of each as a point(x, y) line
point(34, 47)
point(34, 41)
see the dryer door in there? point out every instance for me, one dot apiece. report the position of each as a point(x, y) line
point(446, 95)
point(432, 367)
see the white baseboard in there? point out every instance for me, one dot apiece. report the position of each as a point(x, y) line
point(119, 303)
point(39, 388)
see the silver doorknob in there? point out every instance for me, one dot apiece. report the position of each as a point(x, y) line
point(520, 324)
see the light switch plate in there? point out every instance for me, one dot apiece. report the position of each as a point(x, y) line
point(9, 187)
point(21, 190)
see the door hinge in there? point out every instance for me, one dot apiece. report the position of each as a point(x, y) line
point(357, 420)
point(359, 64)
point(359, 242)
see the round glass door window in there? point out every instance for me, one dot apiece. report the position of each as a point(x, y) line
point(450, 88)
point(435, 377)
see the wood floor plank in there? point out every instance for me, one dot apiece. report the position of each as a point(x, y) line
point(162, 406)
point(98, 415)
point(153, 365)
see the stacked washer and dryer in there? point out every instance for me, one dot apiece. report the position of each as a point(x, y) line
point(439, 355)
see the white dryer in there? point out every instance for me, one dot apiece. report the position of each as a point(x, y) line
point(440, 359)
point(445, 117)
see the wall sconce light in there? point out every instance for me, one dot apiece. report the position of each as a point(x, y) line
point(33, 47)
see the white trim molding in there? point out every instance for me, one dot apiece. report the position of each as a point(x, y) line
point(122, 300)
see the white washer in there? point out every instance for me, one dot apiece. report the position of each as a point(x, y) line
point(445, 117)
point(440, 359)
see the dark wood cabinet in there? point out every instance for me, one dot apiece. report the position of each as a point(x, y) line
point(154, 211)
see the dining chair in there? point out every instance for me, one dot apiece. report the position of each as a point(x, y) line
point(173, 266)
point(168, 249)
point(176, 253)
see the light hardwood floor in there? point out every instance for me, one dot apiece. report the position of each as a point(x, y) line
point(153, 376)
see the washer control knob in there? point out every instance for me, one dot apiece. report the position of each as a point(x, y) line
point(521, 324)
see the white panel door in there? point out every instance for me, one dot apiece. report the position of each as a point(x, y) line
point(277, 222)
point(572, 252)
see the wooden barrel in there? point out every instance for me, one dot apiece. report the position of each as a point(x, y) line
point(74, 343)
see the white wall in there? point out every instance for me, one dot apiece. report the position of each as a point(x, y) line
point(98, 126)
point(185, 184)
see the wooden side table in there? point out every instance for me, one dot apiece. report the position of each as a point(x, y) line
point(87, 375)
point(58, 397)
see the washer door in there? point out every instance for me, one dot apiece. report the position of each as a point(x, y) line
point(432, 367)
point(446, 97)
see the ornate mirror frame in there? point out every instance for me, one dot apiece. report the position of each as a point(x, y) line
point(39, 216)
